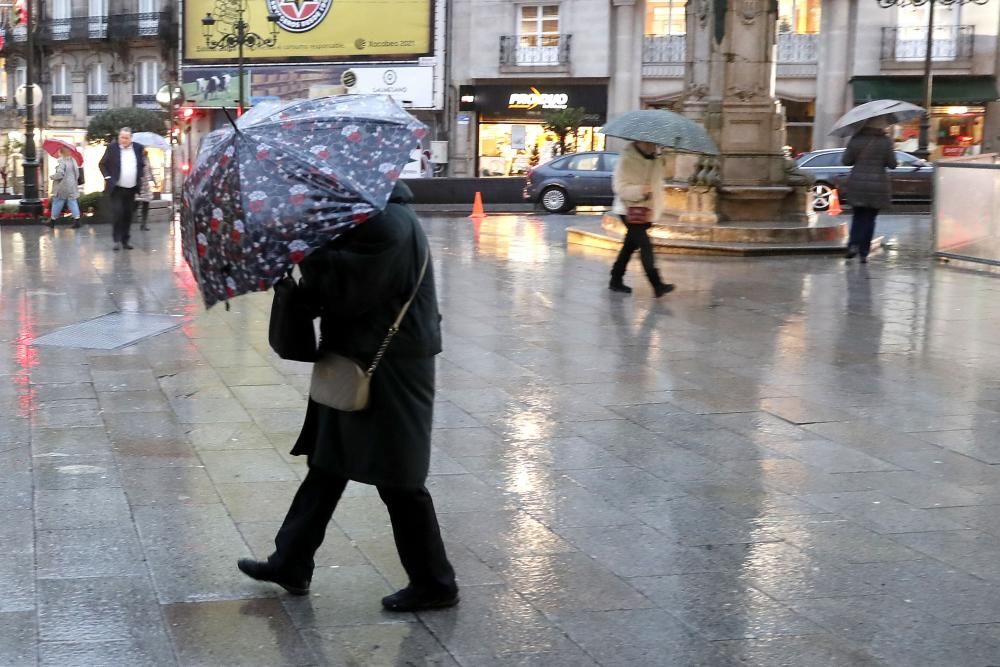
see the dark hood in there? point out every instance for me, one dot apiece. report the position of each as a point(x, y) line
point(401, 194)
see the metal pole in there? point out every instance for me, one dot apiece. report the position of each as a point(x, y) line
point(30, 203)
point(241, 31)
point(923, 149)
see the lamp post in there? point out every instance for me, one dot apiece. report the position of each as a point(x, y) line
point(240, 38)
point(923, 148)
point(30, 203)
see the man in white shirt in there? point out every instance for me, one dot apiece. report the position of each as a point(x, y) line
point(122, 165)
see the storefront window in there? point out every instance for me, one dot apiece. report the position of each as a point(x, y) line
point(666, 17)
point(955, 132)
point(509, 149)
point(799, 120)
point(799, 16)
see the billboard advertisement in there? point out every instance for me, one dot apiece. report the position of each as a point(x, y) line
point(309, 30)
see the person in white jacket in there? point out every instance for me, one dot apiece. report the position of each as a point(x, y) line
point(639, 200)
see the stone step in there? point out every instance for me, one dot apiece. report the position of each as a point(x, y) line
point(825, 229)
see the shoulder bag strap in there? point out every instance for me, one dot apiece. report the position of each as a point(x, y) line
point(394, 329)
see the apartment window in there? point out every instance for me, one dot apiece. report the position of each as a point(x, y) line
point(799, 16)
point(666, 17)
point(147, 77)
point(911, 33)
point(61, 84)
point(98, 8)
point(539, 26)
point(97, 79)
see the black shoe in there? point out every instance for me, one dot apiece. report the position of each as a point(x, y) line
point(619, 286)
point(864, 260)
point(663, 288)
point(411, 599)
point(262, 570)
point(144, 227)
point(852, 252)
point(129, 246)
point(76, 224)
point(117, 247)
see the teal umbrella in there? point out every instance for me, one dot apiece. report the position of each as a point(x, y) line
point(664, 128)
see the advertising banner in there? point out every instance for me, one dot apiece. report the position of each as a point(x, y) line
point(310, 30)
point(412, 87)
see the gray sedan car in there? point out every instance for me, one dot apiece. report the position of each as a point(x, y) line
point(563, 183)
point(912, 180)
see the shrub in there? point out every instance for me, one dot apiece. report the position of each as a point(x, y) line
point(106, 124)
point(91, 200)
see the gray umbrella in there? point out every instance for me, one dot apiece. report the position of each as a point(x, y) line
point(664, 128)
point(888, 111)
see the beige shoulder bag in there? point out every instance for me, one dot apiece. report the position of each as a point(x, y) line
point(339, 383)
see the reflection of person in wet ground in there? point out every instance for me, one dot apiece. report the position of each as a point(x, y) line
point(358, 286)
point(639, 200)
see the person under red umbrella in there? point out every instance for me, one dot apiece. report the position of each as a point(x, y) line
point(65, 187)
point(54, 147)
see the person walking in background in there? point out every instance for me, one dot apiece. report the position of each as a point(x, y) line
point(122, 166)
point(145, 195)
point(66, 189)
point(358, 286)
point(639, 200)
point(870, 153)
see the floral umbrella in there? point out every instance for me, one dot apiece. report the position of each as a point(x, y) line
point(285, 180)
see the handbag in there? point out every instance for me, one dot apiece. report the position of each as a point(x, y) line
point(339, 383)
point(637, 215)
point(290, 330)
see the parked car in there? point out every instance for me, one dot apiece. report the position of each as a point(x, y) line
point(563, 183)
point(912, 180)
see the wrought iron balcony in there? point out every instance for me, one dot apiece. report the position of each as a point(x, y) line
point(97, 104)
point(153, 24)
point(534, 50)
point(62, 105)
point(798, 48)
point(145, 102)
point(950, 43)
point(664, 49)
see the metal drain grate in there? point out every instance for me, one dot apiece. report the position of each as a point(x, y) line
point(109, 332)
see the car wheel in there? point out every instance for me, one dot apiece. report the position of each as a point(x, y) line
point(822, 195)
point(555, 200)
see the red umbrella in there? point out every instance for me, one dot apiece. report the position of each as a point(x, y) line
point(53, 146)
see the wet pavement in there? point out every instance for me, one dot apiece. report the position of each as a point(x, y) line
point(786, 462)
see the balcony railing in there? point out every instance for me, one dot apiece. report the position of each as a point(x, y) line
point(664, 49)
point(534, 50)
point(950, 43)
point(97, 104)
point(80, 28)
point(62, 105)
point(798, 48)
point(153, 24)
point(145, 102)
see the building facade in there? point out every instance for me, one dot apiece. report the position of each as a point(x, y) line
point(91, 56)
point(516, 61)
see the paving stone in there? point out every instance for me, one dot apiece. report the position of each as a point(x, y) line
point(253, 465)
point(68, 509)
point(380, 644)
point(18, 646)
point(244, 633)
point(144, 652)
point(169, 486)
point(97, 609)
point(97, 552)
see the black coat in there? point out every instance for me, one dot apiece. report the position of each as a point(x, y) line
point(111, 164)
point(870, 152)
point(358, 286)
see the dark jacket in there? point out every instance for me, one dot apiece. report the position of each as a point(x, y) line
point(111, 164)
point(358, 285)
point(870, 153)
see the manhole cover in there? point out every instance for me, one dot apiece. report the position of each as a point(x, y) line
point(109, 332)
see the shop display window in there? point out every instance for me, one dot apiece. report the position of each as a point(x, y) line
point(512, 149)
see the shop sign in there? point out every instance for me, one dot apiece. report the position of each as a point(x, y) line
point(412, 87)
point(537, 99)
point(533, 102)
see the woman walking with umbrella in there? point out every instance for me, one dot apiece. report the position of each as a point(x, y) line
point(638, 182)
point(870, 154)
point(66, 188)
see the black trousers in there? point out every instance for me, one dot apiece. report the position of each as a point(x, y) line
point(122, 201)
point(636, 238)
point(414, 527)
point(863, 229)
point(142, 211)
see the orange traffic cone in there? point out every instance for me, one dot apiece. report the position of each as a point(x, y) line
point(477, 207)
point(835, 207)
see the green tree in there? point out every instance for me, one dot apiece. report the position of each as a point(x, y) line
point(564, 123)
point(105, 125)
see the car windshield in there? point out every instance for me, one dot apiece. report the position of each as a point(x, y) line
point(831, 159)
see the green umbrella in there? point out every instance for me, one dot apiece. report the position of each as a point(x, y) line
point(664, 128)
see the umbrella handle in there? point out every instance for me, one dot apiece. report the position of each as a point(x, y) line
point(232, 121)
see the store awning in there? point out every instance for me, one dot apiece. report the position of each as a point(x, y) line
point(948, 90)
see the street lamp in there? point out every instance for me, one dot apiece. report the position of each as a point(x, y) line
point(923, 150)
point(30, 203)
point(240, 38)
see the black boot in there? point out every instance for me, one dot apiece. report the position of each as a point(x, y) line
point(852, 252)
point(262, 570)
point(616, 285)
point(663, 288)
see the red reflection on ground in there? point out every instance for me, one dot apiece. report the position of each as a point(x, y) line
point(26, 358)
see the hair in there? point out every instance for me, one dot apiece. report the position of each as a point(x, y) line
point(125, 129)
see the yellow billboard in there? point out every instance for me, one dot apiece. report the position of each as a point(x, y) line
point(307, 29)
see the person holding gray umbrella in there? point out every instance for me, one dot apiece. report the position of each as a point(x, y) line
point(870, 154)
point(638, 182)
